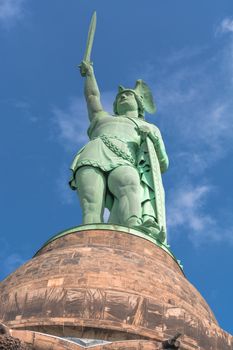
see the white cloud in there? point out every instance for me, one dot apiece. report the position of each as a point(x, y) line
point(71, 123)
point(11, 11)
point(187, 211)
point(226, 26)
point(186, 208)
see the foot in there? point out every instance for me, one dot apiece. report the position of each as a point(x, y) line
point(133, 221)
point(153, 229)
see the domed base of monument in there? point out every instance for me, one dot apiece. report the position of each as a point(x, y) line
point(30, 340)
point(101, 282)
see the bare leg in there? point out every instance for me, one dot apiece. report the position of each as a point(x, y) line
point(124, 183)
point(114, 214)
point(91, 190)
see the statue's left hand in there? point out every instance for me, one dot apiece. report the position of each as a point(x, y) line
point(155, 139)
point(145, 132)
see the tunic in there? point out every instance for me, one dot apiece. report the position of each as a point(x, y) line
point(120, 132)
point(116, 141)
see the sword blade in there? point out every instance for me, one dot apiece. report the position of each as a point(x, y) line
point(90, 38)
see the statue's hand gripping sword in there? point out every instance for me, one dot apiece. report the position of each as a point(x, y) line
point(90, 38)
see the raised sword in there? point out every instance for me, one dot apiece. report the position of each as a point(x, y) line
point(90, 39)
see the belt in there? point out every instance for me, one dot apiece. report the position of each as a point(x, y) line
point(106, 140)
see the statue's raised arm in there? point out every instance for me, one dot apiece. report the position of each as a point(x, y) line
point(91, 90)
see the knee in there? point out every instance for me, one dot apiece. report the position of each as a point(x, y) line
point(130, 188)
point(88, 195)
point(89, 206)
point(129, 180)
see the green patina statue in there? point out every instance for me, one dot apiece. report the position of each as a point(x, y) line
point(120, 167)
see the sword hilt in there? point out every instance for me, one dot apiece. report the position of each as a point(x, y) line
point(84, 67)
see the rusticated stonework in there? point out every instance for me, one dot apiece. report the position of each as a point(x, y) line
point(109, 285)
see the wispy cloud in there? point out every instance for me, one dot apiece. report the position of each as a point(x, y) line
point(11, 11)
point(187, 211)
point(187, 208)
point(71, 123)
point(226, 26)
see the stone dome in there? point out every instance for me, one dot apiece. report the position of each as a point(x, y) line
point(102, 283)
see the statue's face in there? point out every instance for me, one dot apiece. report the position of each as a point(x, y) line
point(126, 102)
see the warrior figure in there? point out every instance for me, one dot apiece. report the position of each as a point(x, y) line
point(120, 167)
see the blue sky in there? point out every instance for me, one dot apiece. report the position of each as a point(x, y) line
point(184, 51)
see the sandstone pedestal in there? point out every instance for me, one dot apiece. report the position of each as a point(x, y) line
point(111, 285)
